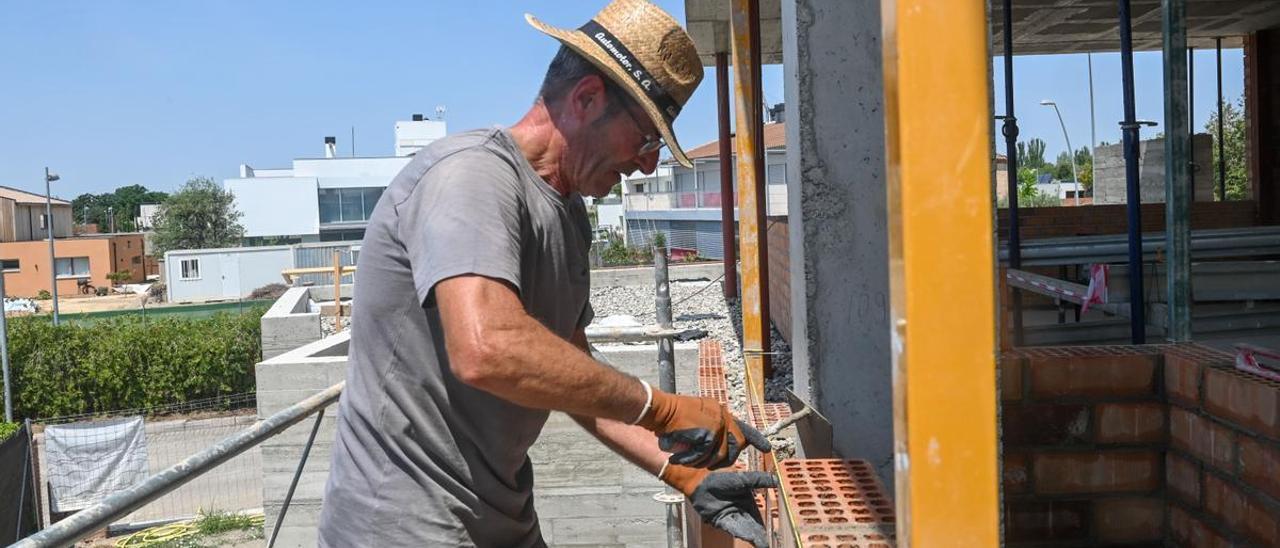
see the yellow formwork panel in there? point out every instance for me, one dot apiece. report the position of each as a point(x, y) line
point(938, 120)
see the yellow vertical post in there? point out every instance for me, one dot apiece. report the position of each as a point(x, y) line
point(744, 21)
point(938, 138)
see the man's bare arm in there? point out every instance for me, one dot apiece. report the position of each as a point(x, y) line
point(494, 345)
point(637, 445)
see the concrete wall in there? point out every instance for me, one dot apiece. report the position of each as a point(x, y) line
point(259, 199)
point(1109, 169)
point(586, 495)
point(289, 323)
point(643, 275)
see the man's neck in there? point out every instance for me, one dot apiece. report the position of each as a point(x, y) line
point(541, 143)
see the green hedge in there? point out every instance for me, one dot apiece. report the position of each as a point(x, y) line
point(130, 362)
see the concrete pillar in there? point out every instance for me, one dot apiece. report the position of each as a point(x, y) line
point(838, 229)
point(1262, 106)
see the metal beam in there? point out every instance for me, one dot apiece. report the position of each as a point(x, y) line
point(728, 223)
point(1010, 131)
point(1177, 171)
point(1133, 196)
point(938, 138)
point(744, 21)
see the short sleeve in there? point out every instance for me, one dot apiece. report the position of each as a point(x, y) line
point(464, 216)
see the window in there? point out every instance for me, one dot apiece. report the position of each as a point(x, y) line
point(777, 174)
point(348, 205)
point(71, 267)
point(685, 182)
point(639, 188)
point(9, 265)
point(329, 205)
point(137, 260)
point(190, 269)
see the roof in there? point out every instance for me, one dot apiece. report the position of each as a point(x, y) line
point(775, 136)
point(24, 197)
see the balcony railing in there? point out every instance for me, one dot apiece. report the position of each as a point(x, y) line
point(656, 201)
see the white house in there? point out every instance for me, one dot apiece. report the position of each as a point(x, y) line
point(685, 204)
point(323, 199)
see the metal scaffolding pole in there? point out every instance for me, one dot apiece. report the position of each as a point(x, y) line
point(727, 221)
point(1222, 158)
point(1177, 173)
point(1010, 131)
point(1191, 118)
point(1133, 196)
point(745, 16)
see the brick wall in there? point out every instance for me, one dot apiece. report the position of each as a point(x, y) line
point(1083, 436)
point(1223, 463)
point(779, 276)
point(1126, 444)
point(1051, 222)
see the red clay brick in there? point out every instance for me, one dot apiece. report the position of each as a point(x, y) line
point(1103, 375)
point(1249, 401)
point(1096, 472)
point(1241, 512)
point(1182, 378)
point(834, 496)
point(1015, 474)
point(1183, 478)
point(1011, 377)
point(1260, 466)
point(1037, 521)
point(1129, 422)
point(1202, 438)
point(1043, 424)
point(1187, 530)
point(1128, 519)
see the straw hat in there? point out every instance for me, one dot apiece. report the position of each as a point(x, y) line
point(646, 52)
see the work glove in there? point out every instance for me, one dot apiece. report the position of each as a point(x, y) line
point(723, 499)
point(699, 431)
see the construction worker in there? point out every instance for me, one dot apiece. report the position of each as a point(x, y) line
point(473, 300)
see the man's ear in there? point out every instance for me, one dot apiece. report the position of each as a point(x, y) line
point(587, 100)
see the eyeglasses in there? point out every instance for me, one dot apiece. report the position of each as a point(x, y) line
point(652, 143)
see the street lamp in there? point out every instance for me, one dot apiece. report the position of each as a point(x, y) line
point(48, 215)
point(1070, 151)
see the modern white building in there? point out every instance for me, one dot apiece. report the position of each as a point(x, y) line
point(684, 203)
point(327, 198)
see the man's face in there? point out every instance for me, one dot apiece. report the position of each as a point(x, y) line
point(610, 145)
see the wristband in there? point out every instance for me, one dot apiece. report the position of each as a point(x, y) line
point(648, 401)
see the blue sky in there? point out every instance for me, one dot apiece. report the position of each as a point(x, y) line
point(150, 92)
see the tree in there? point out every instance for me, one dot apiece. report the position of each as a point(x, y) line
point(1084, 163)
point(1062, 167)
point(125, 204)
point(1233, 125)
point(1031, 154)
point(200, 215)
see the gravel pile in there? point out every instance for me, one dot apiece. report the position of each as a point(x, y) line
point(327, 327)
point(697, 304)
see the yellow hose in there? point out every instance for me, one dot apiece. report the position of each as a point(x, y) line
point(169, 532)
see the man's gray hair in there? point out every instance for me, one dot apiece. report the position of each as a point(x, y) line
point(566, 70)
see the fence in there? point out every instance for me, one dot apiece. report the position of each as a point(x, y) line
point(82, 459)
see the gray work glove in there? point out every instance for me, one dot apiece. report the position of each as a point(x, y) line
point(724, 499)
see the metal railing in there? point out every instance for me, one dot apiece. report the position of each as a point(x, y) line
point(85, 522)
point(658, 201)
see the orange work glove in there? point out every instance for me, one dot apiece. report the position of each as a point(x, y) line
point(699, 431)
point(723, 499)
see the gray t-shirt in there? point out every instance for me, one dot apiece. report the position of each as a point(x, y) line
point(420, 458)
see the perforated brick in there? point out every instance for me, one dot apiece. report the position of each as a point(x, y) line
point(837, 503)
point(765, 415)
